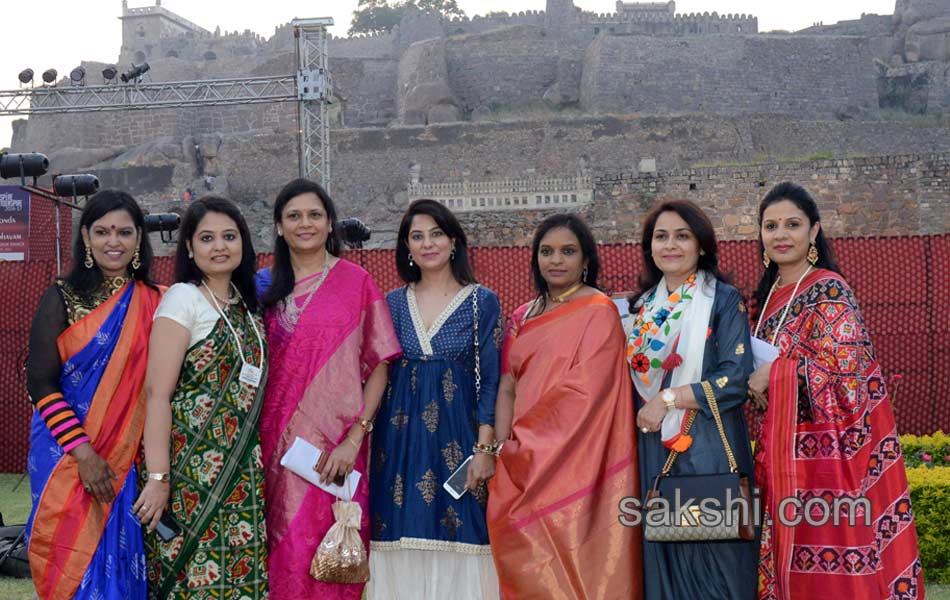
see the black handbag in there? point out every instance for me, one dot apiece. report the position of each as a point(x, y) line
point(700, 508)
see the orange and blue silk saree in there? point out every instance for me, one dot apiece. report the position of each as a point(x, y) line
point(78, 547)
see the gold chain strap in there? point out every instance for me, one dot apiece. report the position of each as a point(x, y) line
point(671, 458)
point(714, 407)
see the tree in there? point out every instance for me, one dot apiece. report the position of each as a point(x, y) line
point(379, 16)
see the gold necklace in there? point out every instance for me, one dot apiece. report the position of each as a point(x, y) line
point(563, 296)
point(113, 283)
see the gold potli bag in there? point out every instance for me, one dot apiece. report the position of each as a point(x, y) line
point(341, 556)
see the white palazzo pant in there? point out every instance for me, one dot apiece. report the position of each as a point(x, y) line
point(406, 574)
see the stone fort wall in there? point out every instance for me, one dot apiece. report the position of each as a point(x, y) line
point(372, 166)
point(874, 196)
point(728, 75)
point(899, 186)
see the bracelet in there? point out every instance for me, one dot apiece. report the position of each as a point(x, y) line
point(492, 449)
point(355, 445)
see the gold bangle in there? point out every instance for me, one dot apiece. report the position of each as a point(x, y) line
point(491, 449)
point(355, 445)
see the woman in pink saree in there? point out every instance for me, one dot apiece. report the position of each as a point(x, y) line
point(330, 336)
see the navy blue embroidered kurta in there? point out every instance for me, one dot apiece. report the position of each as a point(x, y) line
point(428, 422)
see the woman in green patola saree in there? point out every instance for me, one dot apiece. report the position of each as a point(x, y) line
point(202, 450)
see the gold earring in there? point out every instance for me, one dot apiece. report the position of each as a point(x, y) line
point(813, 254)
point(89, 263)
point(136, 260)
point(765, 259)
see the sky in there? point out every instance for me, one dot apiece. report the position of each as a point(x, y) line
point(58, 34)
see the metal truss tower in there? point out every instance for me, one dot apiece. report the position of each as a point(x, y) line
point(311, 88)
point(315, 90)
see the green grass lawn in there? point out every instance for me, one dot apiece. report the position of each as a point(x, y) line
point(15, 507)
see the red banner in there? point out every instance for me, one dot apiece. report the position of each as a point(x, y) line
point(14, 223)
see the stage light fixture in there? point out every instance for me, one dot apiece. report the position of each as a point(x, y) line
point(354, 232)
point(78, 75)
point(23, 165)
point(109, 73)
point(135, 72)
point(49, 75)
point(162, 222)
point(26, 76)
point(75, 185)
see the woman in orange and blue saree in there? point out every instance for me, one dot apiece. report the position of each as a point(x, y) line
point(565, 411)
point(838, 519)
point(85, 375)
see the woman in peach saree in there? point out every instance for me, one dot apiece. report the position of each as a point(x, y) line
point(566, 408)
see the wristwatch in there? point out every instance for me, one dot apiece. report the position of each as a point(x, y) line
point(163, 477)
point(669, 399)
point(366, 425)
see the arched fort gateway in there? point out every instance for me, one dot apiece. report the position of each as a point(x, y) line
point(507, 118)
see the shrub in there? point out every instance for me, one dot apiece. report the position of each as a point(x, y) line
point(930, 495)
point(926, 450)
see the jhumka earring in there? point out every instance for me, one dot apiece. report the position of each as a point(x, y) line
point(411, 264)
point(813, 254)
point(452, 254)
point(136, 260)
point(584, 275)
point(89, 263)
point(765, 259)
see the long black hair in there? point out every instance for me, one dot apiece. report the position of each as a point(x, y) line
point(576, 225)
point(86, 281)
point(282, 271)
point(702, 229)
point(186, 270)
point(443, 217)
point(797, 195)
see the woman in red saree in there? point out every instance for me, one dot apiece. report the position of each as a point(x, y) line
point(571, 457)
point(829, 437)
point(330, 335)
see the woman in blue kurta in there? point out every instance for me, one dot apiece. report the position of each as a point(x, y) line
point(425, 543)
point(689, 342)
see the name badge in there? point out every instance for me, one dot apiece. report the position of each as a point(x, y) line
point(250, 375)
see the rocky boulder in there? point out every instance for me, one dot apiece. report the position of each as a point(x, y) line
point(928, 40)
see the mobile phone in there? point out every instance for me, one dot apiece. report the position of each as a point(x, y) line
point(455, 484)
point(168, 529)
point(340, 479)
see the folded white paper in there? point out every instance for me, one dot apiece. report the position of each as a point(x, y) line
point(300, 459)
point(762, 352)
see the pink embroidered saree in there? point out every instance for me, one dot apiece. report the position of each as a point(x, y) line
point(315, 392)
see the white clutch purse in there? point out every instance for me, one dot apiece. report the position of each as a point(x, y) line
point(301, 457)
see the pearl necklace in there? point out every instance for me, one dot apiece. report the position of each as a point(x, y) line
point(289, 312)
point(787, 306)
